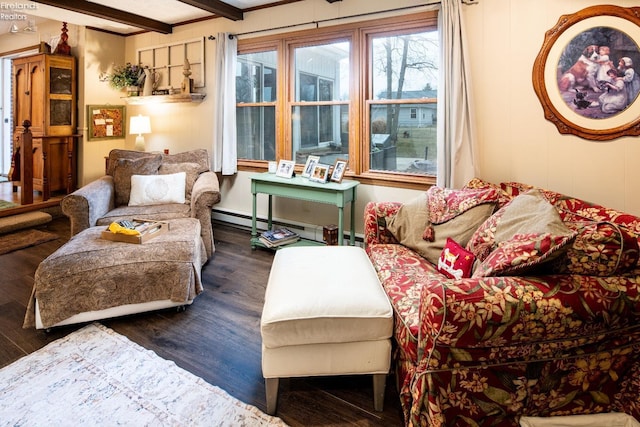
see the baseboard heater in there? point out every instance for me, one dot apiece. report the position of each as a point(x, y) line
point(306, 231)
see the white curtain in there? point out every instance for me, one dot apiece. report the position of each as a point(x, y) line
point(224, 148)
point(457, 162)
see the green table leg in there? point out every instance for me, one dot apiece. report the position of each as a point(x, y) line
point(340, 225)
point(353, 218)
point(270, 215)
point(254, 228)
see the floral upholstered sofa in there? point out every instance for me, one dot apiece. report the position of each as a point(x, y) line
point(509, 301)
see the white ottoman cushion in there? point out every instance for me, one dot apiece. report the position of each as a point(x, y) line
point(324, 294)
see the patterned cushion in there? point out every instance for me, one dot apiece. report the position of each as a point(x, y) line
point(191, 169)
point(412, 220)
point(149, 190)
point(528, 213)
point(125, 168)
point(455, 261)
point(117, 154)
point(521, 253)
point(199, 156)
point(403, 274)
point(480, 184)
point(599, 249)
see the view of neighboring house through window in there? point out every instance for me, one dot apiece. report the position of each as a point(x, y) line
point(321, 102)
point(256, 96)
point(365, 92)
point(402, 102)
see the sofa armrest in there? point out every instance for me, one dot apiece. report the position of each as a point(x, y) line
point(89, 203)
point(480, 321)
point(375, 222)
point(205, 194)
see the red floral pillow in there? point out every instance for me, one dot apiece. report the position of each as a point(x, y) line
point(599, 249)
point(522, 253)
point(455, 262)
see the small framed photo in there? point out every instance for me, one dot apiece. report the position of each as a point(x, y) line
point(320, 173)
point(285, 168)
point(339, 168)
point(308, 167)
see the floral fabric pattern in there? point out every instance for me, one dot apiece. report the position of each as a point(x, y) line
point(600, 249)
point(484, 351)
point(521, 254)
point(446, 203)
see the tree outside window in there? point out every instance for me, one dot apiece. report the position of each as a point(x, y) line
point(373, 102)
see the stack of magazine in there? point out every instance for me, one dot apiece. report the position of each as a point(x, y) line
point(279, 236)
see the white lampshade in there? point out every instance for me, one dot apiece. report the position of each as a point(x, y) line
point(139, 125)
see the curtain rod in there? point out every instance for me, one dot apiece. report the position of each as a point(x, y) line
point(322, 21)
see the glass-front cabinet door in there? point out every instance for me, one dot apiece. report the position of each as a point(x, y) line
point(60, 113)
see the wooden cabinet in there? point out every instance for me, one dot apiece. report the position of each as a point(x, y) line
point(44, 92)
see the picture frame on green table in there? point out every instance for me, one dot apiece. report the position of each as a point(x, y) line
point(339, 168)
point(309, 165)
point(320, 173)
point(285, 168)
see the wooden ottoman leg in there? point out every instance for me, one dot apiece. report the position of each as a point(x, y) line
point(379, 382)
point(271, 387)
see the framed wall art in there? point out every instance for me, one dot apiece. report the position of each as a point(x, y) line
point(106, 122)
point(586, 74)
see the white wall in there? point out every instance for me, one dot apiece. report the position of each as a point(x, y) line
point(516, 141)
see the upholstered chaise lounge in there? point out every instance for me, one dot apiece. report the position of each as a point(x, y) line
point(107, 199)
point(91, 278)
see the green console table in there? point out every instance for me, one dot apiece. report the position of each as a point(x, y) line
point(339, 194)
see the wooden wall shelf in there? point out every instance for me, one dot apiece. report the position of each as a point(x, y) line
point(164, 99)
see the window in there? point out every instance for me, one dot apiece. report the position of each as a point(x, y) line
point(321, 101)
point(365, 92)
point(256, 75)
point(403, 68)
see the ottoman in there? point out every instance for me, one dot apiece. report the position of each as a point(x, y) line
point(90, 278)
point(325, 313)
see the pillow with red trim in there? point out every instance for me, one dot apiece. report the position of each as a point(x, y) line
point(522, 253)
point(455, 262)
point(480, 184)
point(528, 213)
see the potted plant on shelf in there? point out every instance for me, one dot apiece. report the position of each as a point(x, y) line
point(127, 76)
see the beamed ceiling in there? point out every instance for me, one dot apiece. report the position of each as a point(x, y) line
point(134, 16)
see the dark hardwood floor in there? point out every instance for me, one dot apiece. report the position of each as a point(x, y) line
point(217, 338)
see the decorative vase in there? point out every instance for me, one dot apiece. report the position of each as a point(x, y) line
point(133, 91)
point(150, 82)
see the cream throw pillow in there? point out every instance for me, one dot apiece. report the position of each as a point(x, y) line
point(157, 189)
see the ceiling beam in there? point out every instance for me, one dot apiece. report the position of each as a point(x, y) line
point(100, 11)
point(220, 8)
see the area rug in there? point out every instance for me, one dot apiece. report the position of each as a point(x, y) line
point(95, 376)
point(6, 205)
point(23, 239)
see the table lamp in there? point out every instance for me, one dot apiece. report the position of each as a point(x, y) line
point(139, 125)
